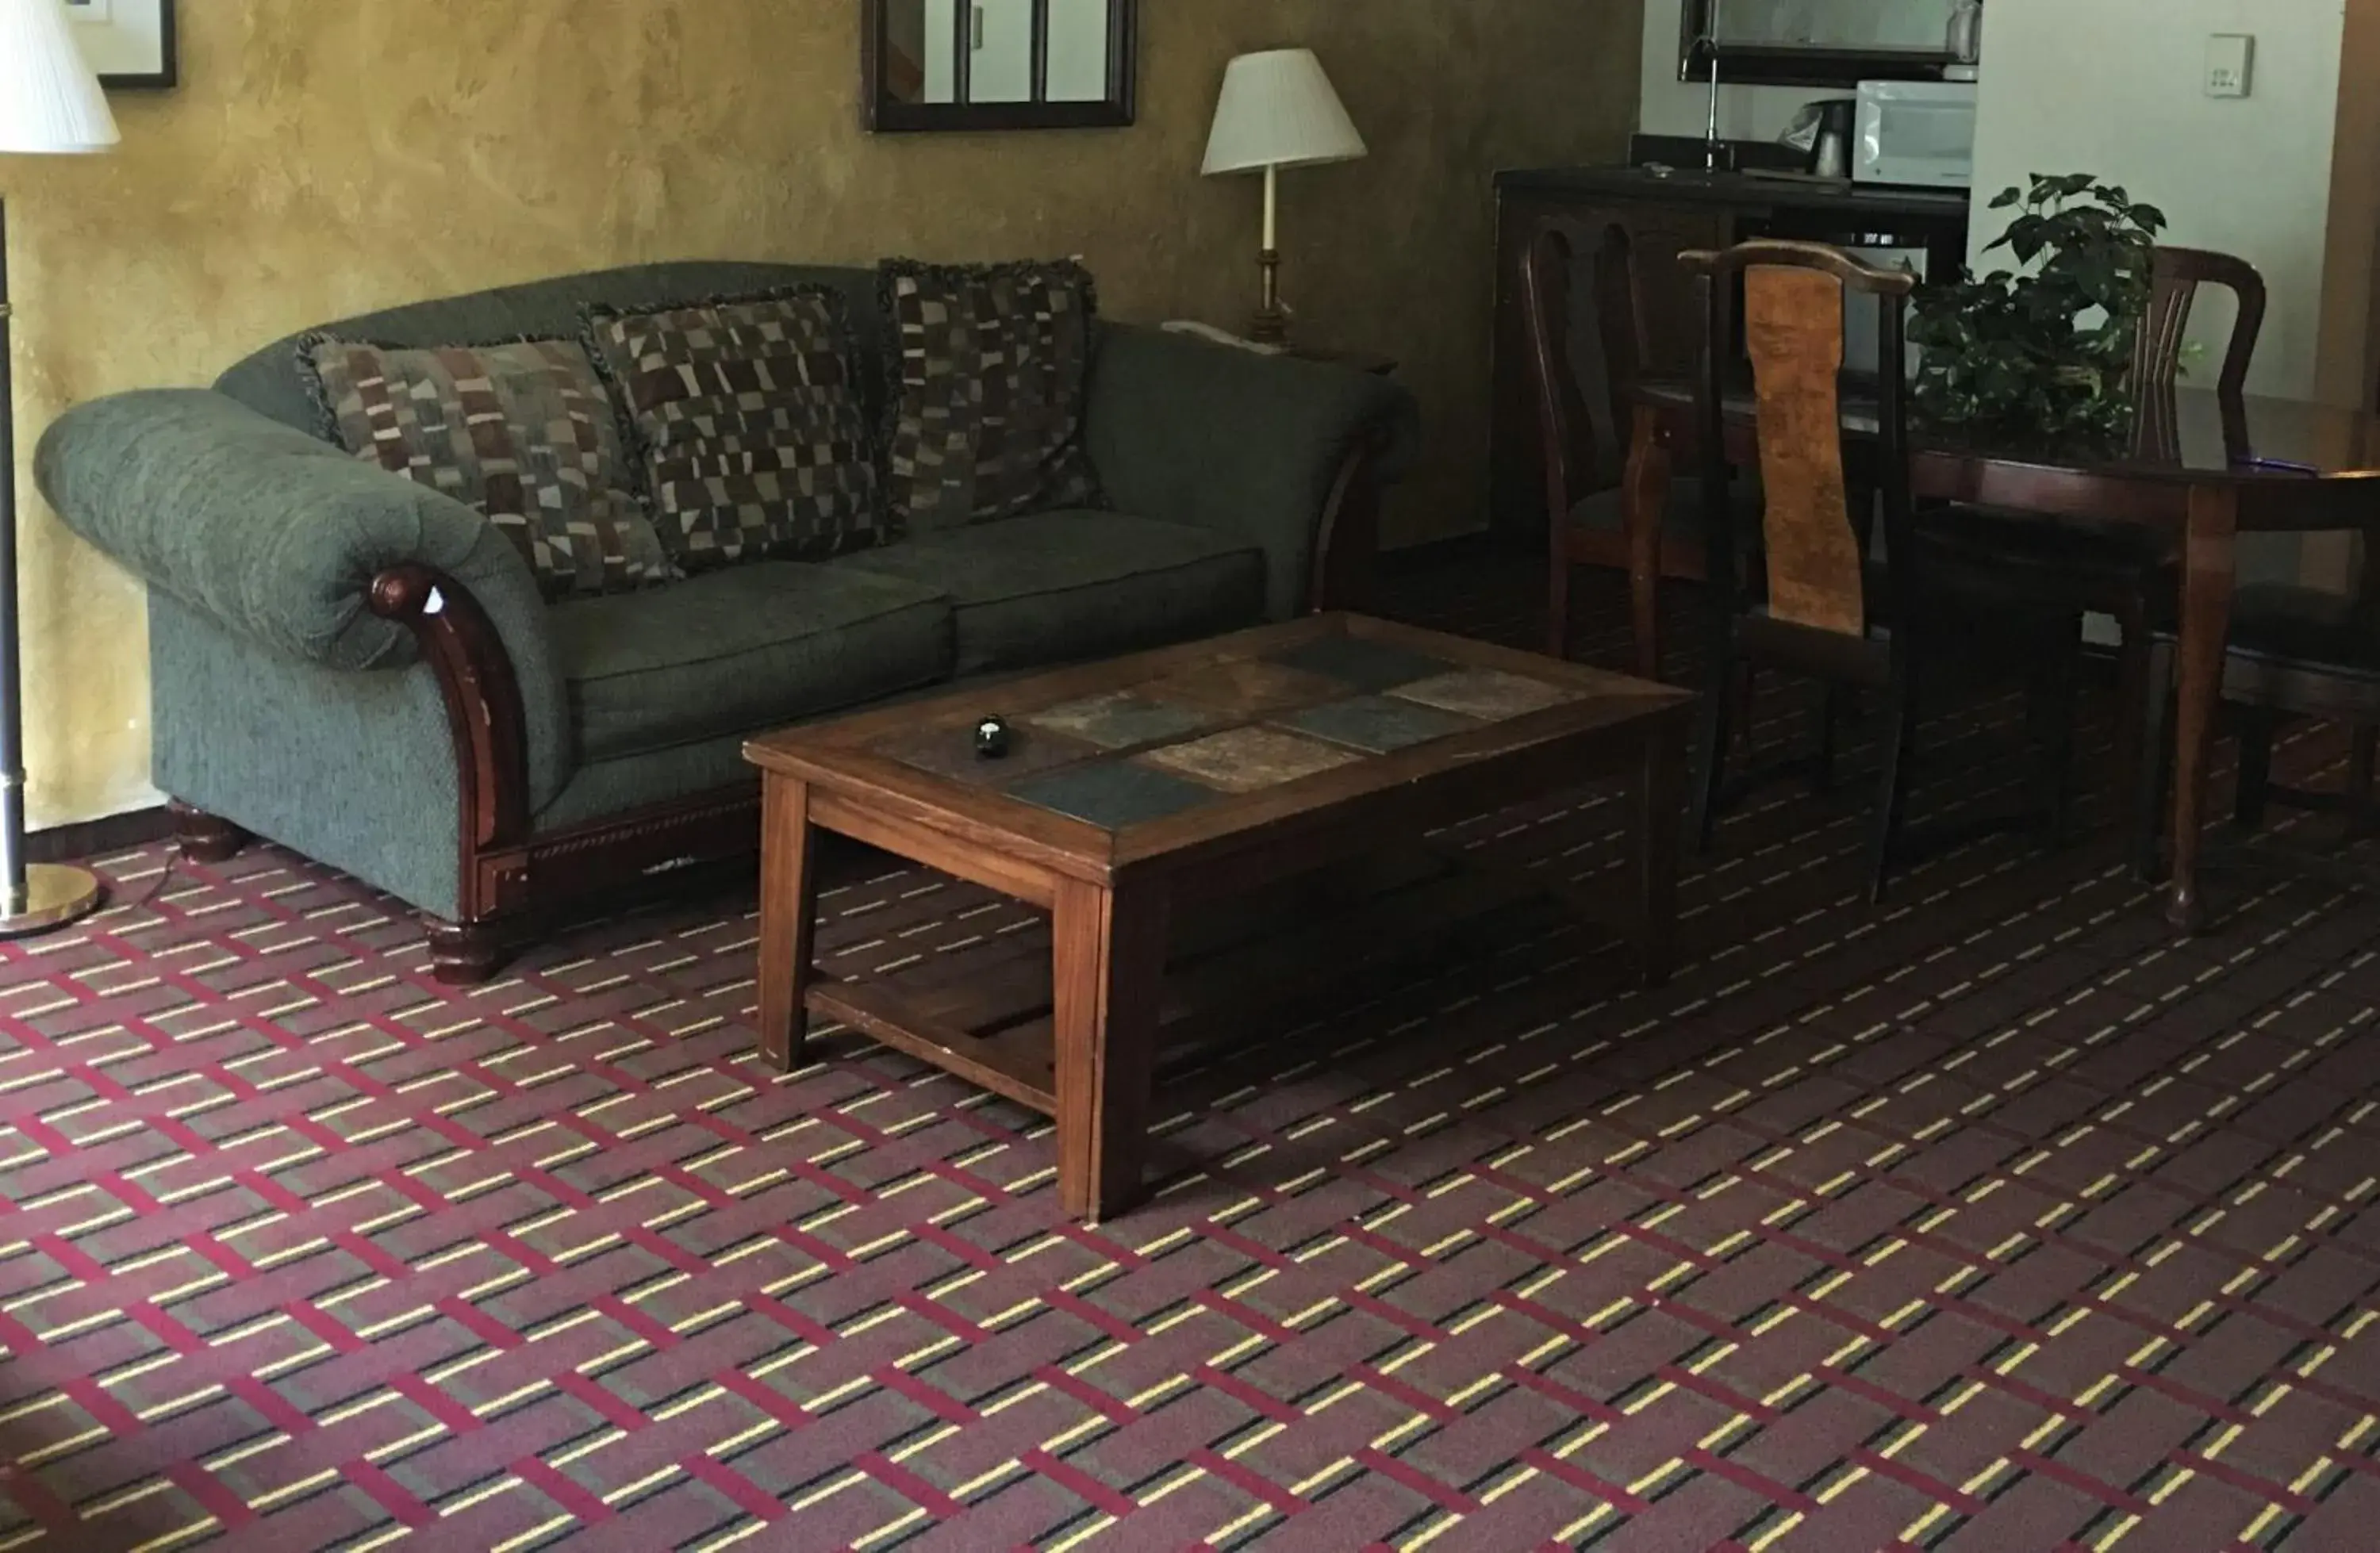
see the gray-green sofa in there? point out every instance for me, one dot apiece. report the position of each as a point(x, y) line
point(364, 671)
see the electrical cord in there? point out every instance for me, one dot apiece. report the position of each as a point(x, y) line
point(156, 886)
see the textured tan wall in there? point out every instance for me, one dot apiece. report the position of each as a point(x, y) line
point(330, 156)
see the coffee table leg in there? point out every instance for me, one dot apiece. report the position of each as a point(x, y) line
point(1107, 974)
point(788, 918)
point(1660, 790)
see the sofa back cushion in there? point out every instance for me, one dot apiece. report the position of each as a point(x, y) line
point(268, 380)
point(989, 383)
point(750, 432)
point(523, 434)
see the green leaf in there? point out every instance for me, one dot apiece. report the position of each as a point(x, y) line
point(2043, 349)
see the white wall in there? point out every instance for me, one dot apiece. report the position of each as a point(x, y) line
point(2116, 87)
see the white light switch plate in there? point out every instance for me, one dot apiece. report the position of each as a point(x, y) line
point(2231, 62)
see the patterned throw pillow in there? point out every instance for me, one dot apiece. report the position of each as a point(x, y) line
point(749, 416)
point(523, 433)
point(986, 418)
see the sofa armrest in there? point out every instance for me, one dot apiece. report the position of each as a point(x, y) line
point(283, 539)
point(1254, 445)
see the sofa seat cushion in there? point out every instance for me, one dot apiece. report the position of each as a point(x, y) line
point(741, 651)
point(1056, 587)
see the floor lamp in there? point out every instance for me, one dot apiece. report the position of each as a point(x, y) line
point(50, 102)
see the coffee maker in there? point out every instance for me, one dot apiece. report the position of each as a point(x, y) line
point(1830, 146)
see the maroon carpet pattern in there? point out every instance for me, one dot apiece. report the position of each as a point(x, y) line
point(1990, 1220)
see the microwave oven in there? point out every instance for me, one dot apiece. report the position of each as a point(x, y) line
point(1920, 134)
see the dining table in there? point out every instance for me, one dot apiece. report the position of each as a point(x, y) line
point(2197, 465)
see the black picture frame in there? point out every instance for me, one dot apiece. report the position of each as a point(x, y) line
point(1797, 64)
point(168, 75)
point(882, 113)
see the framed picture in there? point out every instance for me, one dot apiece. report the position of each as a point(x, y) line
point(129, 43)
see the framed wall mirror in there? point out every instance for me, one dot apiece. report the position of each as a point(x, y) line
point(973, 65)
point(1816, 43)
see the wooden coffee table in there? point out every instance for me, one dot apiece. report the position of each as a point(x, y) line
point(1137, 788)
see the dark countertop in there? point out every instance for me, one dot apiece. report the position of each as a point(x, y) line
point(1741, 191)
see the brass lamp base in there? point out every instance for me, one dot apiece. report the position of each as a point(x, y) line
point(54, 897)
point(1271, 325)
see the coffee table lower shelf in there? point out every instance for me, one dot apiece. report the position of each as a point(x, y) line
point(1322, 947)
point(1018, 1063)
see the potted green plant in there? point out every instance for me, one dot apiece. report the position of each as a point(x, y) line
point(2046, 347)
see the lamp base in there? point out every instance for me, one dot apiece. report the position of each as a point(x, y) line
point(1271, 325)
point(54, 897)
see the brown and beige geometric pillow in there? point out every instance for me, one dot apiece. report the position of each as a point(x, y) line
point(748, 417)
point(523, 433)
point(988, 389)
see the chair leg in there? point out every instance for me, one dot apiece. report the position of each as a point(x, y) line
point(1747, 690)
point(1828, 718)
point(1892, 791)
point(2255, 789)
point(2058, 698)
point(1714, 737)
point(2133, 676)
point(2153, 776)
point(1558, 603)
point(2359, 816)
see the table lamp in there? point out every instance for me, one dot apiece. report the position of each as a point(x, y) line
point(1278, 111)
point(50, 102)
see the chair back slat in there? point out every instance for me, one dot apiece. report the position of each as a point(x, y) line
point(1563, 429)
point(2178, 275)
point(1794, 299)
point(1620, 322)
point(1794, 332)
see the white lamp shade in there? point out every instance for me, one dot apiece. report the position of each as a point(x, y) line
point(1279, 110)
point(50, 97)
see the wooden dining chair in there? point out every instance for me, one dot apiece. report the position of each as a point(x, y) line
point(1822, 607)
point(2124, 571)
point(2295, 653)
point(2176, 276)
point(1585, 508)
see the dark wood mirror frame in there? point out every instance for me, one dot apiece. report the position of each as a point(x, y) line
point(885, 114)
point(1797, 64)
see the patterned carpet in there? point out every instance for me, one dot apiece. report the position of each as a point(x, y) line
point(1994, 1220)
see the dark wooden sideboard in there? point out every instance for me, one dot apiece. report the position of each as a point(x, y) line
point(1664, 215)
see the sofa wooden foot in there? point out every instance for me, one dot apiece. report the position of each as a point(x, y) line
point(203, 837)
point(466, 953)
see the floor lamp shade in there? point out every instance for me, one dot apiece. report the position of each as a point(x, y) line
point(50, 100)
point(50, 103)
point(1278, 110)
